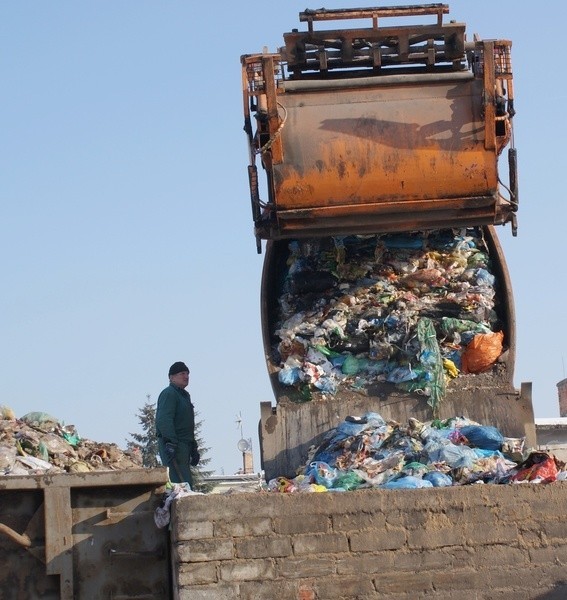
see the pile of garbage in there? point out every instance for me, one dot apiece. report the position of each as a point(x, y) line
point(38, 443)
point(369, 452)
point(413, 310)
point(173, 491)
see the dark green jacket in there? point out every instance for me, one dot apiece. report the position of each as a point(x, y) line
point(175, 416)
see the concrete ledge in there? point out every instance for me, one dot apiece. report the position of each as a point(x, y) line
point(374, 543)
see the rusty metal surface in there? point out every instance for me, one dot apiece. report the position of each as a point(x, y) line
point(374, 46)
point(324, 14)
point(362, 130)
point(449, 41)
point(91, 536)
point(118, 550)
point(23, 574)
point(379, 149)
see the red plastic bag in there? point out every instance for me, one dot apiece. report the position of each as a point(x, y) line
point(482, 352)
point(538, 465)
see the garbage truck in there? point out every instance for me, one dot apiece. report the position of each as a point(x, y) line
point(388, 160)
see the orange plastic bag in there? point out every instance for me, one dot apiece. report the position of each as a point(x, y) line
point(482, 352)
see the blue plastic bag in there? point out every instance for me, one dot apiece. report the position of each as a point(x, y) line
point(289, 376)
point(399, 374)
point(326, 384)
point(438, 479)
point(441, 450)
point(348, 429)
point(322, 473)
point(408, 482)
point(483, 436)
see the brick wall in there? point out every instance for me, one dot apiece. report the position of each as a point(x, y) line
point(475, 542)
point(562, 392)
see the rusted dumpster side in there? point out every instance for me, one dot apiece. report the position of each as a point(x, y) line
point(87, 536)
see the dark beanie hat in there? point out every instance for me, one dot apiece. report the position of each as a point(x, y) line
point(177, 367)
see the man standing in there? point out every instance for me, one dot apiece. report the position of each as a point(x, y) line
point(175, 426)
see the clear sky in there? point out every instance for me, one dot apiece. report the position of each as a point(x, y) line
point(125, 224)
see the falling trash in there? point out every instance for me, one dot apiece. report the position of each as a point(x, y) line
point(412, 310)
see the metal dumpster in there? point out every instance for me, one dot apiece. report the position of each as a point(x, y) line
point(85, 536)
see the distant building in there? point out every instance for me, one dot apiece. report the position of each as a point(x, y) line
point(551, 434)
point(231, 484)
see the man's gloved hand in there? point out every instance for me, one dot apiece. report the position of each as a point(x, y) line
point(170, 449)
point(195, 456)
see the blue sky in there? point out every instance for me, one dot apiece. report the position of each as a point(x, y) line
point(125, 225)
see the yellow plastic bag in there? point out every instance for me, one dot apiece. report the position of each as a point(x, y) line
point(450, 368)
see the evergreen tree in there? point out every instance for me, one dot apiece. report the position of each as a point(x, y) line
point(146, 443)
point(200, 472)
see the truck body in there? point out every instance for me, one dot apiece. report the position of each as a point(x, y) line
point(366, 134)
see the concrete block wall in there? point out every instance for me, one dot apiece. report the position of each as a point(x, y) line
point(476, 542)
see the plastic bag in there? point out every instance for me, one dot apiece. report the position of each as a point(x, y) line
point(43, 451)
point(350, 427)
point(408, 482)
point(450, 368)
point(322, 473)
point(482, 352)
point(70, 435)
point(483, 277)
point(438, 479)
point(513, 446)
point(41, 420)
point(326, 384)
point(348, 481)
point(440, 450)
point(282, 484)
point(483, 436)
point(415, 468)
point(34, 463)
point(539, 467)
point(289, 376)
point(424, 279)
point(351, 365)
point(374, 419)
point(449, 326)
point(432, 361)
point(401, 374)
point(162, 512)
